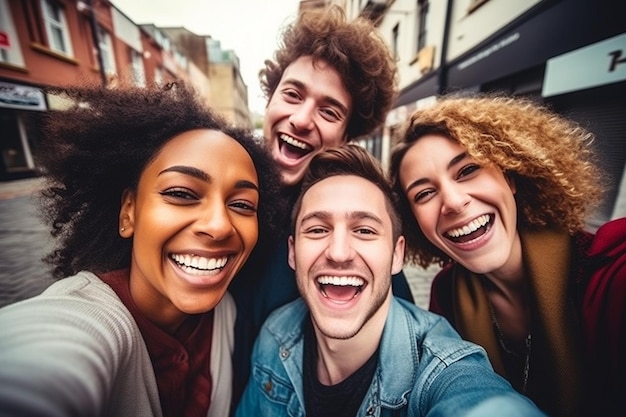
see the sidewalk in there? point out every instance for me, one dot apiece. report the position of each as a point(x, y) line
point(18, 188)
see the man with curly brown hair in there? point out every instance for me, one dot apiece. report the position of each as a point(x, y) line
point(331, 81)
point(496, 190)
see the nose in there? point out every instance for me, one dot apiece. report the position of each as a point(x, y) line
point(302, 117)
point(214, 221)
point(340, 248)
point(454, 200)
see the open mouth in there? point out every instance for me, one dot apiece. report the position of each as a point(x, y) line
point(473, 230)
point(292, 148)
point(340, 289)
point(199, 265)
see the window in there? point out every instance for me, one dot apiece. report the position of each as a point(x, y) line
point(56, 27)
point(394, 39)
point(158, 76)
point(136, 62)
point(106, 49)
point(10, 51)
point(475, 4)
point(422, 18)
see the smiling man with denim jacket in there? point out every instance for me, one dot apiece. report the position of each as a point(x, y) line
point(348, 347)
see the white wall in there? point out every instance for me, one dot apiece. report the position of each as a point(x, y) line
point(468, 30)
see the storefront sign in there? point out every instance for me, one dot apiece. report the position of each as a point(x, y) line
point(17, 96)
point(5, 42)
point(598, 64)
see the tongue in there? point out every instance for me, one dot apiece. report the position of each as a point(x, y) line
point(340, 292)
point(292, 152)
point(476, 233)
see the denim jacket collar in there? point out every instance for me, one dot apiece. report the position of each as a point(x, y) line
point(398, 352)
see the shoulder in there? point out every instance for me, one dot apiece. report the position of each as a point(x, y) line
point(283, 328)
point(83, 285)
point(610, 239)
point(431, 332)
point(76, 334)
point(81, 307)
point(282, 320)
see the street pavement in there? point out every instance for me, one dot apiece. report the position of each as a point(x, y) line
point(24, 240)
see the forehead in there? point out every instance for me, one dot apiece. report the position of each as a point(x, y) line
point(208, 149)
point(429, 149)
point(343, 194)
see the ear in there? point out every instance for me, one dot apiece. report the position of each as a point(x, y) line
point(127, 214)
point(397, 262)
point(291, 259)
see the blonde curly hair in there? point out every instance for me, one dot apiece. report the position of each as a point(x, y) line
point(549, 157)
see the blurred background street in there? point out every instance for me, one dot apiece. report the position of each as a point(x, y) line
point(24, 240)
point(566, 54)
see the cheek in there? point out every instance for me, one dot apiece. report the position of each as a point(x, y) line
point(333, 136)
point(248, 230)
point(426, 219)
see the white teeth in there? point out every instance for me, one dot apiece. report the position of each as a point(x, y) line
point(199, 262)
point(293, 142)
point(340, 281)
point(470, 227)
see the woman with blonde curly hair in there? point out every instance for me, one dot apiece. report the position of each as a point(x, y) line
point(496, 190)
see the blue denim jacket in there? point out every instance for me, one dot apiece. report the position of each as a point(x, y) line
point(424, 369)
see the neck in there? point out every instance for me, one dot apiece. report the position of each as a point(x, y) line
point(340, 358)
point(509, 280)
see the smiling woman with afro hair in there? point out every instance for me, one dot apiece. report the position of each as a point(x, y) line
point(156, 203)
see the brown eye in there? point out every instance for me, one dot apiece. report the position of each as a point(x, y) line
point(179, 193)
point(423, 195)
point(468, 169)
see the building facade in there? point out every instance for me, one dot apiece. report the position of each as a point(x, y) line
point(69, 42)
point(567, 54)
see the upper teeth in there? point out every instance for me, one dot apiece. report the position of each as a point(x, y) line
point(200, 262)
point(342, 281)
point(470, 227)
point(293, 142)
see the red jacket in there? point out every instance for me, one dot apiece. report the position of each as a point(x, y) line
point(604, 311)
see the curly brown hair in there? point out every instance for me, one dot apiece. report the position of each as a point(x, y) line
point(99, 147)
point(548, 156)
point(354, 49)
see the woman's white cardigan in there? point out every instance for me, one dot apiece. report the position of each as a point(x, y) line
point(75, 350)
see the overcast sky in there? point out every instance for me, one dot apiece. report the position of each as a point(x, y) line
point(249, 27)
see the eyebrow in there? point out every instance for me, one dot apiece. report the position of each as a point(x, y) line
point(326, 215)
point(201, 175)
point(333, 101)
point(452, 163)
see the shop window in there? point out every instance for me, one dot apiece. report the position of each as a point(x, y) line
point(56, 27)
point(15, 152)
